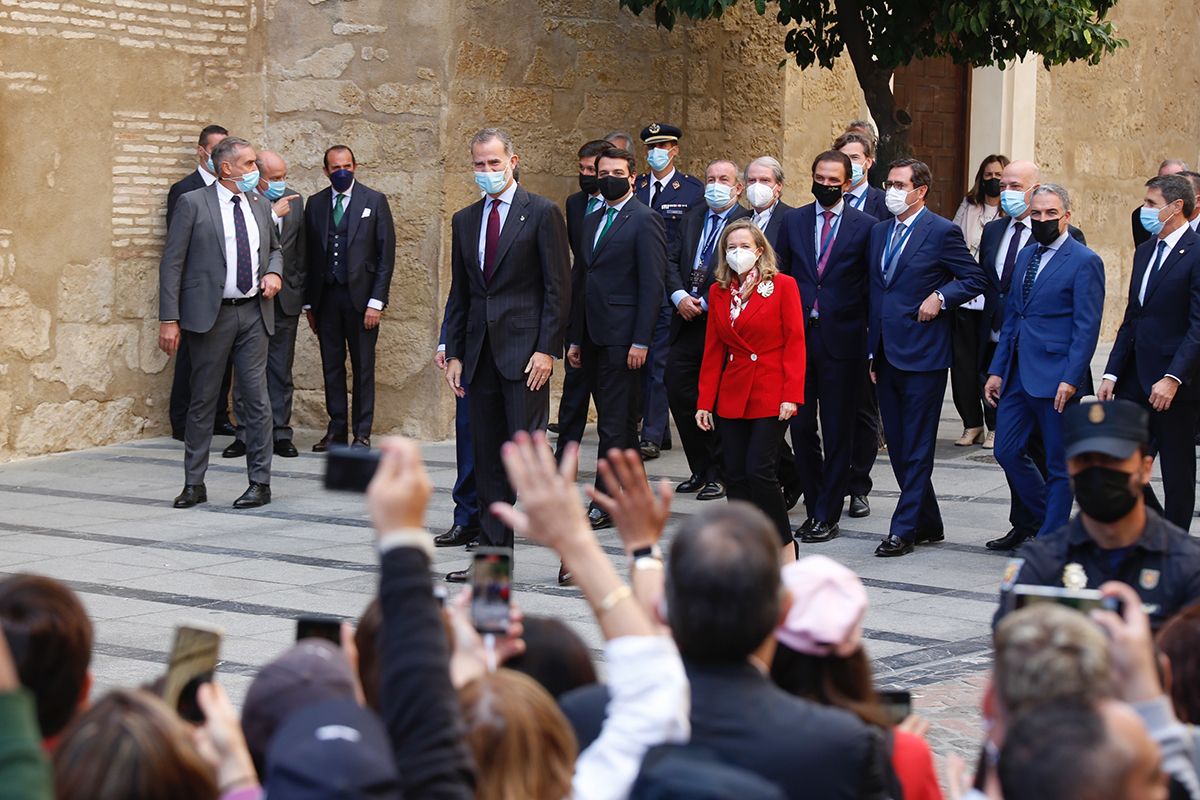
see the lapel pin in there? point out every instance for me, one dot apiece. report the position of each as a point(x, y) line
point(522, 218)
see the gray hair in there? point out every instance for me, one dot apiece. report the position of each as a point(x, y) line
point(487, 134)
point(1057, 191)
point(614, 135)
point(715, 161)
point(1173, 162)
point(226, 150)
point(766, 161)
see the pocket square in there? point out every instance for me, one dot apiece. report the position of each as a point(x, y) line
point(366, 213)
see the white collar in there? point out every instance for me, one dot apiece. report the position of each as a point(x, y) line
point(860, 190)
point(837, 210)
point(505, 197)
point(1057, 243)
point(1173, 237)
point(665, 179)
point(766, 211)
point(208, 178)
point(620, 205)
point(224, 195)
point(346, 193)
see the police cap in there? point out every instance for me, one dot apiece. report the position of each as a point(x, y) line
point(659, 133)
point(1114, 428)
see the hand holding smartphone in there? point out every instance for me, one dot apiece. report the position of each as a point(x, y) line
point(350, 469)
point(193, 661)
point(327, 628)
point(491, 589)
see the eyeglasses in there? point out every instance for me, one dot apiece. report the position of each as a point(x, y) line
point(897, 185)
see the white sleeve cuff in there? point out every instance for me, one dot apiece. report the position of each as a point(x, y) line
point(942, 298)
point(1174, 378)
point(442, 347)
point(418, 538)
point(704, 303)
point(375, 304)
point(677, 297)
point(1108, 376)
point(306, 307)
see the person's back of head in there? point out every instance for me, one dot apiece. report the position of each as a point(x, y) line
point(1179, 641)
point(554, 656)
point(131, 746)
point(50, 636)
point(366, 640)
point(523, 746)
point(723, 588)
point(1048, 653)
point(670, 772)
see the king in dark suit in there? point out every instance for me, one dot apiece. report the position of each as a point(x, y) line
point(919, 267)
point(505, 316)
point(351, 253)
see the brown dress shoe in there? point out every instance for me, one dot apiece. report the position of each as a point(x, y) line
point(328, 441)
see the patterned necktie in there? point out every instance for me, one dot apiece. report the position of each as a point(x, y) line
point(1150, 273)
point(338, 210)
point(1031, 272)
point(608, 218)
point(826, 228)
point(1010, 257)
point(490, 241)
point(245, 278)
point(892, 252)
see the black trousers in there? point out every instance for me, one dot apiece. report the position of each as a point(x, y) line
point(181, 390)
point(618, 394)
point(682, 379)
point(867, 439)
point(340, 328)
point(499, 408)
point(966, 380)
point(572, 408)
point(750, 453)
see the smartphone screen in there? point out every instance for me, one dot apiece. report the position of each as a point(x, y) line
point(897, 703)
point(350, 469)
point(193, 660)
point(326, 628)
point(1083, 600)
point(491, 589)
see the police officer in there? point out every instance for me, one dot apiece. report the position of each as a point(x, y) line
point(670, 193)
point(1116, 537)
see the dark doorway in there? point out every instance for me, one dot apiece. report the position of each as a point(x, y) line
point(935, 92)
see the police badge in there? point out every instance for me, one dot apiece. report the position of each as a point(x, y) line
point(1148, 580)
point(1073, 576)
point(674, 184)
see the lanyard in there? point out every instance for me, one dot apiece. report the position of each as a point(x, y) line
point(857, 202)
point(718, 222)
point(829, 238)
point(890, 255)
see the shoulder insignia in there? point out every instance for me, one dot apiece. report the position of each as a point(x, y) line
point(643, 184)
point(1073, 576)
point(1148, 580)
point(1011, 571)
point(674, 184)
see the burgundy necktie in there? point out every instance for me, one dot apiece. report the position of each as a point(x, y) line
point(490, 241)
point(245, 280)
point(825, 229)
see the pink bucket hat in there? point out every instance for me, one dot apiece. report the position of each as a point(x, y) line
point(828, 606)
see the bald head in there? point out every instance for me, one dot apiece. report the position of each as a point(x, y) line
point(271, 165)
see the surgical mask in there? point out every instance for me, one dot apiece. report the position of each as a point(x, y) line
point(717, 195)
point(613, 187)
point(896, 201)
point(827, 196)
point(1150, 220)
point(740, 260)
point(1045, 231)
point(341, 179)
point(991, 187)
point(1013, 202)
point(491, 182)
point(248, 181)
point(759, 195)
point(1105, 494)
point(275, 189)
point(211, 166)
point(856, 173)
point(658, 158)
point(587, 183)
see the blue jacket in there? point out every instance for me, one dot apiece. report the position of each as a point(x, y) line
point(683, 192)
point(935, 259)
point(1053, 335)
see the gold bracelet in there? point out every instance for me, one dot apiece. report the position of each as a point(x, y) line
point(613, 598)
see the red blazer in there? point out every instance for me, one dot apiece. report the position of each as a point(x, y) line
point(754, 365)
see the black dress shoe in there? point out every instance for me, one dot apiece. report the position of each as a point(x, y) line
point(713, 490)
point(259, 494)
point(1009, 541)
point(236, 449)
point(224, 429)
point(459, 575)
point(805, 527)
point(284, 448)
point(328, 441)
point(552, 427)
point(363, 442)
point(649, 450)
point(192, 494)
point(930, 535)
point(859, 506)
point(564, 575)
point(457, 536)
point(692, 484)
point(599, 519)
point(177, 434)
point(821, 532)
point(893, 546)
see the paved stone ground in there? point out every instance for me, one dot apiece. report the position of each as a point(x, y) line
point(101, 520)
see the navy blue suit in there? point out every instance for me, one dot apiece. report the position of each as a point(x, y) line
point(910, 357)
point(1046, 340)
point(681, 193)
point(1160, 338)
point(835, 307)
point(466, 501)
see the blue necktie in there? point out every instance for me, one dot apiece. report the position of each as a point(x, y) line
point(1031, 272)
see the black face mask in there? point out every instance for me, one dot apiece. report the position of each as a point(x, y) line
point(1045, 231)
point(1106, 495)
point(991, 187)
point(613, 187)
point(827, 196)
point(587, 183)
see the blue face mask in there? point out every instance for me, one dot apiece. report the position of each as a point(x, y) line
point(248, 181)
point(1013, 202)
point(341, 179)
point(1150, 220)
point(658, 158)
point(717, 195)
point(275, 189)
point(491, 182)
point(211, 167)
point(856, 173)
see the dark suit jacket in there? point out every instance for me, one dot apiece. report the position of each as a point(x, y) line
point(293, 244)
point(179, 188)
point(995, 296)
point(1140, 234)
point(524, 308)
point(935, 258)
point(775, 223)
point(576, 205)
point(683, 255)
point(1164, 335)
point(875, 204)
point(619, 291)
point(1052, 336)
point(372, 245)
point(842, 288)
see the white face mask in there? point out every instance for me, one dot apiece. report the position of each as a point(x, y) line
point(760, 195)
point(740, 259)
point(897, 201)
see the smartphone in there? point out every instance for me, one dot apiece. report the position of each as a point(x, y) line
point(193, 661)
point(491, 589)
point(1083, 600)
point(326, 628)
point(897, 703)
point(350, 469)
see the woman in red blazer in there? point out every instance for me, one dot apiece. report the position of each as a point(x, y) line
point(752, 374)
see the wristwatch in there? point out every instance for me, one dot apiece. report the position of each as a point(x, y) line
point(646, 557)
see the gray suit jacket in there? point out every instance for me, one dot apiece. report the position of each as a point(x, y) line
point(292, 242)
point(191, 275)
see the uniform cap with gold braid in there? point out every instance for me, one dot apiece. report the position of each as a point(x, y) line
point(659, 133)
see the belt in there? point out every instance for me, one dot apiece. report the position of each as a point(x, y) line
point(237, 301)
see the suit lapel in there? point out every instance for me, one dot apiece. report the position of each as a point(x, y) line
point(1173, 257)
point(324, 200)
point(474, 221)
point(261, 211)
point(358, 201)
point(622, 216)
point(214, 209)
point(1059, 259)
point(752, 306)
point(808, 241)
point(512, 225)
point(591, 223)
point(915, 239)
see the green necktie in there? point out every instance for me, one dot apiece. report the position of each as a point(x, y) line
point(608, 218)
point(338, 210)
point(593, 204)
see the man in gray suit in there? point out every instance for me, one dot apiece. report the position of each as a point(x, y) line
point(287, 215)
point(220, 269)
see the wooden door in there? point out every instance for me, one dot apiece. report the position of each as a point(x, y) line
point(935, 93)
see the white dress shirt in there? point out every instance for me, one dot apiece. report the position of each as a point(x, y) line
point(1195, 224)
point(665, 180)
point(859, 193)
point(503, 201)
point(1015, 227)
point(837, 218)
point(905, 236)
point(603, 210)
point(763, 218)
point(206, 176)
point(228, 209)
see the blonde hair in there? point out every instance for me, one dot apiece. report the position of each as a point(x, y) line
point(767, 265)
point(523, 746)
